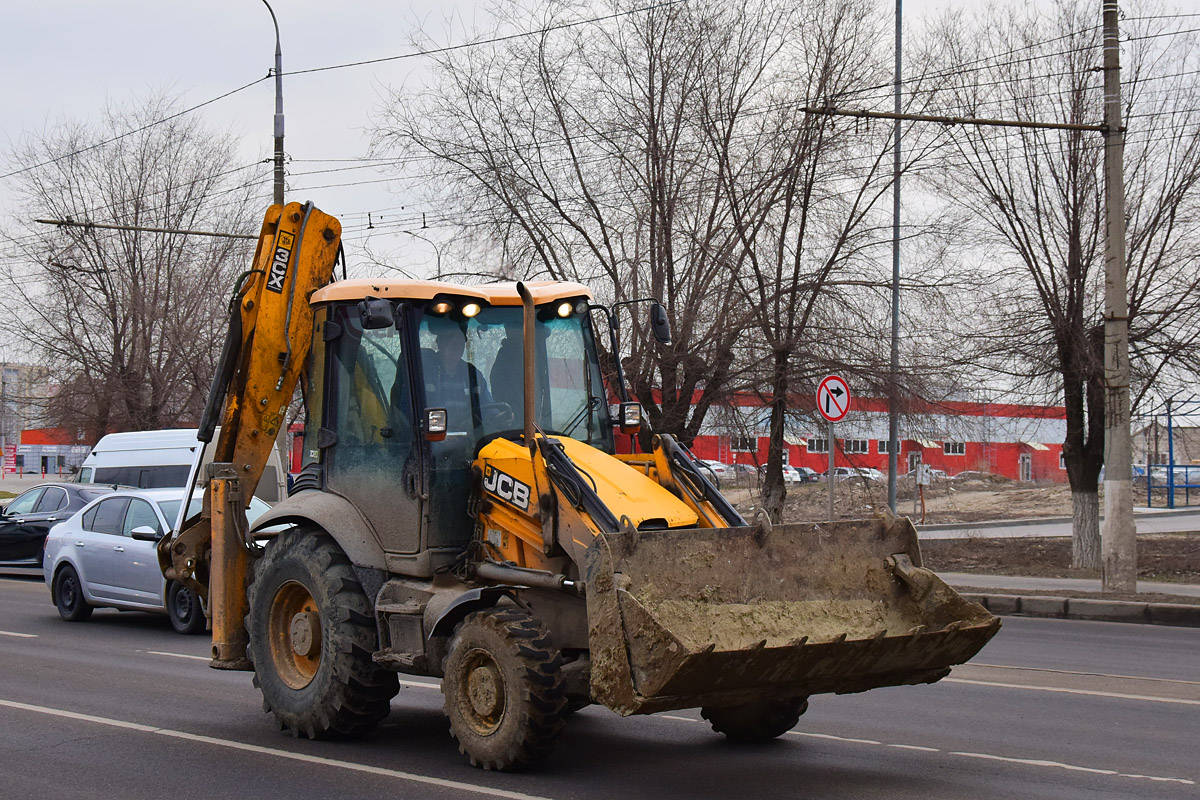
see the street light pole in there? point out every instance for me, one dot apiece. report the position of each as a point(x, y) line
point(436, 251)
point(278, 198)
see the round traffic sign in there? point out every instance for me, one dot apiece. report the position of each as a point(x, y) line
point(833, 398)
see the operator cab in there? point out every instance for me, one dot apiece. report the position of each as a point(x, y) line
point(385, 361)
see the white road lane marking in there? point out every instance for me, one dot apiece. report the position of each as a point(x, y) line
point(915, 747)
point(1084, 674)
point(271, 751)
point(1029, 762)
point(810, 735)
point(1037, 762)
point(178, 655)
point(19, 635)
point(1090, 692)
point(416, 684)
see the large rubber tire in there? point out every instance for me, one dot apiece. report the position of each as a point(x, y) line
point(312, 634)
point(503, 689)
point(184, 609)
point(68, 596)
point(756, 722)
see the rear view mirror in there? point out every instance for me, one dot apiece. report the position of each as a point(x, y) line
point(659, 324)
point(376, 313)
point(144, 533)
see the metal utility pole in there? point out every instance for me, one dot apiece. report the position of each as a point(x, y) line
point(1118, 539)
point(894, 373)
point(278, 197)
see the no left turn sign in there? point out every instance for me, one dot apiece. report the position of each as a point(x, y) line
point(833, 398)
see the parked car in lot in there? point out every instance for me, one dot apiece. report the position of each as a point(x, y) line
point(808, 474)
point(842, 473)
point(29, 516)
point(715, 469)
point(105, 557)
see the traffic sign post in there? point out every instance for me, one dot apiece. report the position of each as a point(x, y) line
point(833, 403)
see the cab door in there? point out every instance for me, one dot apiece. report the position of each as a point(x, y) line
point(374, 461)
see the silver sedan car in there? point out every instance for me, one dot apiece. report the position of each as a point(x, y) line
point(105, 556)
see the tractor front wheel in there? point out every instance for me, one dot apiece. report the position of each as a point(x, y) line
point(503, 688)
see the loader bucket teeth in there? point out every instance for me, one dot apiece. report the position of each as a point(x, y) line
point(722, 616)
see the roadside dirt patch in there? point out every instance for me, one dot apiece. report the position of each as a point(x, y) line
point(982, 498)
point(1172, 557)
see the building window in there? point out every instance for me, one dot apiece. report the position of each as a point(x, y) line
point(884, 446)
point(817, 445)
point(954, 448)
point(1062, 461)
point(856, 445)
point(743, 444)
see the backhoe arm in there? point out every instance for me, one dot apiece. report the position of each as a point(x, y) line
point(269, 339)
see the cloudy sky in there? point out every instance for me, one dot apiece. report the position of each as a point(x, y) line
point(67, 58)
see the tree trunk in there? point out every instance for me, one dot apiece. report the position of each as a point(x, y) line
point(774, 491)
point(1085, 527)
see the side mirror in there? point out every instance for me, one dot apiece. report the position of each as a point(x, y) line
point(435, 424)
point(659, 324)
point(376, 313)
point(144, 533)
point(631, 417)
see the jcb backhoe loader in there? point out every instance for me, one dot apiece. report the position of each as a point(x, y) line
point(462, 513)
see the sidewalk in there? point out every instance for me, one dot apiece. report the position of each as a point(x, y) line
point(1008, 595)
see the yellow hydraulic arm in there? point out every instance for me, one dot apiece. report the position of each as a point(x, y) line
point(269, 338)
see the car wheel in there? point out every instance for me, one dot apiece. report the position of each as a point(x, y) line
point(312, 634)
point(68, 596)
point(184, 609)
point(503, 685)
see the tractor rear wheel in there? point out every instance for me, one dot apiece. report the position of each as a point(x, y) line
point(503, 688)
point(760, 721)
point(312, 634)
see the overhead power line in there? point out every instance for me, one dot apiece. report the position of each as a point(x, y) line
point(127, 134)
point(70, 223)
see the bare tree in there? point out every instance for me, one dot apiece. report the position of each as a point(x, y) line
point(1035, 198)
point(615, 153)
point(129, 322)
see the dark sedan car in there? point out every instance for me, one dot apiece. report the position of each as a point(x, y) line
point(28, 517)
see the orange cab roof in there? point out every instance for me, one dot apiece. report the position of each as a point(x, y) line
point(496, 294)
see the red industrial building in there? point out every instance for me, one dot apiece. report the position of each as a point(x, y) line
point(1022, 442)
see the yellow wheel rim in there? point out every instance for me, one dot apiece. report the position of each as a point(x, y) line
point(294, 629)
point(483, 700)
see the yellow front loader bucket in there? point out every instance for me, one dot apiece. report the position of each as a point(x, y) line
point(724, 616)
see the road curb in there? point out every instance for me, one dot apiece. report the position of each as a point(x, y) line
point(1005, 605)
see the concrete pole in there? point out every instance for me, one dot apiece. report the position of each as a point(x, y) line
point(894, 372)
point(1118, 540)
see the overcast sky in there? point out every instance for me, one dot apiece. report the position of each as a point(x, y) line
point(66, 58)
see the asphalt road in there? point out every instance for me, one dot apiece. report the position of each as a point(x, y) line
point(122, 707)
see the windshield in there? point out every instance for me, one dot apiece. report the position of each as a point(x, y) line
point(474, 368)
